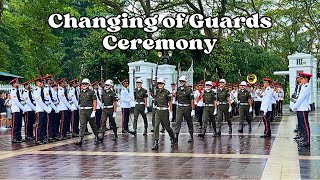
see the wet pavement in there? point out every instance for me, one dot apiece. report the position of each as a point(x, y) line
point(235, 156)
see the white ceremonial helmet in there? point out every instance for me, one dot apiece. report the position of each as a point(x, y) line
point(161, 80)
point(85, 80)
point(183, 78)
point(109, 82)
point(222, 81)
point(139, 80)
point(243, 83)
point(208, 83)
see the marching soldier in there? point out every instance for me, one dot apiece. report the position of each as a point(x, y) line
point(154, 107)
point(53, 109)
point(98, 92)
point(56, 115)
point(163, 113)
point(302, 107)
point(245, 107)
point(125, 106)
point(185, 108)
point(30, 108)
point(109, 101)
point(209, 99)
point(224, 106)
point(73, 99)
point(266, 106)
point(140, 97)
point(64, 107)
point(174, 102)
point(17, 110)
point(88, 105)
point(41, 112)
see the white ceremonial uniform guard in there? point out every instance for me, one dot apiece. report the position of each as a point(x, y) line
point(266, 106)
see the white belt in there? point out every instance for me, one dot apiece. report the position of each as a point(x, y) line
point(244, 103)
point(111, 106)
point(223, 103)
point(183, 104)
point(208, 104)
point(162, 108)
point(86, 107)
point(139, 102)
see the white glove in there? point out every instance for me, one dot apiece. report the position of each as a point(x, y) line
point(56, 111)
point(114, 115)
point(215, 112)
point(192, 113)
point(230, 109)
point(250, 109)
point(146, 110)
point(93, 114)
point(170, 115)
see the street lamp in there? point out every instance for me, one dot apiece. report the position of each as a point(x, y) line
point(166, 56)
point(299, 49)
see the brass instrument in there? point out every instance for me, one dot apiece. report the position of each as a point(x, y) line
point(251, 78)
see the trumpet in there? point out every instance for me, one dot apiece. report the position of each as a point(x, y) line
point(251, 78)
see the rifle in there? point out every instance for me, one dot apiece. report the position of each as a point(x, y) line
point(155, 83)
point(178, 74)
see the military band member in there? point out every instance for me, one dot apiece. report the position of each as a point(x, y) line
point(88, 105)
point(98, 91)
point(198, 97)
point(266, 106)
point(140, 97)
point(125, 105)
point(17, 110)
point(209, 99)
point(163, 113)
point(302, 107)
point(257, 99)
point(185, 108)
point(41, 112)
point(73, 99)
point(245, 107)
point(48, 81)
point(224, 106)
point(109, 101)
point(30, 108)
point(280, 99)
point(64, 107)
point(56, 115)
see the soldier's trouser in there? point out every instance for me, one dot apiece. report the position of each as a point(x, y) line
point(200, 113)
point(162, 116)
point(305, 128)
point(244, 114)
point(64, 116)
point(208, 117)
point(279, 106)
point(223, 111)
point(174, 111)
point(183, 112)
point(98, 118)
point(75, 122)
point(125, 118)
point(29, 121)
point(40, 126)
point(266, 119)
point(154, 118)
point(257, 105)
point(108, 113)
point(16, 126)
point(84, 118)
point(50, 125)
point(56, 117)
point(139, 109)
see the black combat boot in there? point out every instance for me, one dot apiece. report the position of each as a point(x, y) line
point(172, 139)
point(145, 131)
point(239, 130)
point(250, 129)
point(214, 132)
point(162, 130)
point(176, 139)
point(79, 141)
point(133, 132)
point(219, 132)
point(202, 135)
point(156, 145)
point(191, 138)
point(115, 137)
point(97, 140)
point(230, 129)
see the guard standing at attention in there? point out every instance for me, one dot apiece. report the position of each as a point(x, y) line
point(125, 106)
point(30, 107)
point(266, 106)
point(245, 107)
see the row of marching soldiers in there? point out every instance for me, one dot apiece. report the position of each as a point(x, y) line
point(55, 109)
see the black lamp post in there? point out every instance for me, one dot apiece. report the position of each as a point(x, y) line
point(166, 56)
